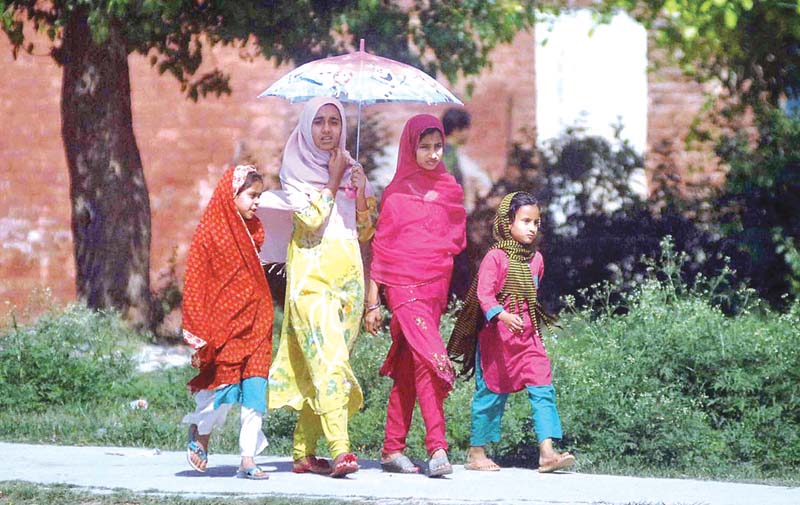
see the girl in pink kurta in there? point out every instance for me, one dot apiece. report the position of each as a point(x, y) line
point(422, 225)
point(508, 354)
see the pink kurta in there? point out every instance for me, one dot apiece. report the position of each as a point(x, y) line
point(509, 361)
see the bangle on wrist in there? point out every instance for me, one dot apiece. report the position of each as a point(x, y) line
point(370, 308)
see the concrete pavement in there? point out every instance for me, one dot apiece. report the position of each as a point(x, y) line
point(152, 471)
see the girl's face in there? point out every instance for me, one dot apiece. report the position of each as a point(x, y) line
point(429, 150)
point(326, 128)
point(247, 201)
point(526, 224)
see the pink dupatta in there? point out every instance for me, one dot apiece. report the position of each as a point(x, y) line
point(422, 223)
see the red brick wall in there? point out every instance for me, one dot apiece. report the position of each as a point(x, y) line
point(184, 148)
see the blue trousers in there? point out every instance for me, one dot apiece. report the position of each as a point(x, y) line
point(488, 408)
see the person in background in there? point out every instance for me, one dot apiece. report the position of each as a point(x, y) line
point(474, 181)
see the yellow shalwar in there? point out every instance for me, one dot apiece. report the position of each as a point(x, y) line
point(324, 304)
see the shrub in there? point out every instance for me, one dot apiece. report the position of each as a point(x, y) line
point(74, 356)
point(676, 383)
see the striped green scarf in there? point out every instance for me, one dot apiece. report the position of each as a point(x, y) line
point(518, 288)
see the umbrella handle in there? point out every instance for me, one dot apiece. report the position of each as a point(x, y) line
point(358, 128)
point(358, 132)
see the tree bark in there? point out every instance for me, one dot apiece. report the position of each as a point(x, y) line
point(110, 202)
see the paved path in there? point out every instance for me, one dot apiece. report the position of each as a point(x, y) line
point(142, 470)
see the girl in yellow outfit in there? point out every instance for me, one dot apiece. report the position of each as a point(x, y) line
point(332, 210)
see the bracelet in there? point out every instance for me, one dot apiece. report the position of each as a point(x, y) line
point(370, 308)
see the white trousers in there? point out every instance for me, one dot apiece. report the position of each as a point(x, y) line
point(251, 438)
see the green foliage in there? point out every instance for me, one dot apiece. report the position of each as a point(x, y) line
point(24, 493)
point(75, 356)
point(762, 201)
point(452, 38)
point(751, 47)
point(659, 382)
point(674, 383)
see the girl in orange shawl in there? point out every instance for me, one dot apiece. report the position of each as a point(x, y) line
point(227, 319)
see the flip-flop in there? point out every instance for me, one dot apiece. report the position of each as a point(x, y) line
point(312, 464)
point(491, 466)
point(565, 461)
point(438, 467)
point(399, 464)
point(252, 473)
point(194, 448)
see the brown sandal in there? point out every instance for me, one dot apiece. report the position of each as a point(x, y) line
point(564, 461)
point(312, 464)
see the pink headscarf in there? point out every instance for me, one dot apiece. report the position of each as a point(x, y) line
point(304, 170)
point(422, 223)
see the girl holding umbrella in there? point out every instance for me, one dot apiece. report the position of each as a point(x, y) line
point(330, 209)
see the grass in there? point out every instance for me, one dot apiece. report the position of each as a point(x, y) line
point(661, 383)
point(22, 493)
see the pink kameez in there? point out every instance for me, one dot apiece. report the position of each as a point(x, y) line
point(510, 361)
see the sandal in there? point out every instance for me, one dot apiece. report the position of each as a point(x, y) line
point(344, 464)
point(564, 461)
point(438, 467)
point(253, 473)
point(194, 448)
point(484, 465)
point(312, 464)
point(399, 464)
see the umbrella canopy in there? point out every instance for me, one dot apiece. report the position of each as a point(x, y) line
point(360, 78)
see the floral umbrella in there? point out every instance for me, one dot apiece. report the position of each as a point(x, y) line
point(360, 78)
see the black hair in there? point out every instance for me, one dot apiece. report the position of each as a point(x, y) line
point(455, 119)
point(521, 199)
point(428, 131)
point(252, 178)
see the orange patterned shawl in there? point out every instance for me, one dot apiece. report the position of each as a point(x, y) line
point(227, 306)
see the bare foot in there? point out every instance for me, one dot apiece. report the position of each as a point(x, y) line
point(483, 465)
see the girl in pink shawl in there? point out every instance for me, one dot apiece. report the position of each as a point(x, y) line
point(422, 225)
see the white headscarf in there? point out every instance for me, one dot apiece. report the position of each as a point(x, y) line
point(304, 171)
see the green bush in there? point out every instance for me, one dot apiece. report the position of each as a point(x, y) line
point(660, 382)
point(72, 356)
point(676, 383)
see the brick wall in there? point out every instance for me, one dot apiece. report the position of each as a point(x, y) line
point(185, 147)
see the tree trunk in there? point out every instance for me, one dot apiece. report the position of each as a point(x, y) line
point(110, 203)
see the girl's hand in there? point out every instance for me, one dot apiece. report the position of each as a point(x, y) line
point(358, 178)
point(512, 321)
point(373, 320)
point(336, 167)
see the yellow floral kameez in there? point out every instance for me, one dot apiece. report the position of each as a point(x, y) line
point(311, 371)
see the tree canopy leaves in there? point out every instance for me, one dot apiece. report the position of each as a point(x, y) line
point(453, 38)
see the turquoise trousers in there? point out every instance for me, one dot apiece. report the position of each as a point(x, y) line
point(488, 408)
